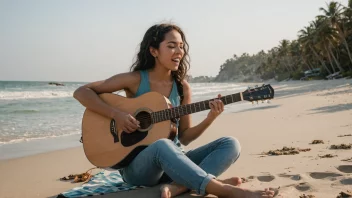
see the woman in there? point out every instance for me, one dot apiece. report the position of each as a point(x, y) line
point(161, 66)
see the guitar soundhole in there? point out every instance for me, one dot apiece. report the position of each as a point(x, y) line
point(129, 139)
point(144, 118)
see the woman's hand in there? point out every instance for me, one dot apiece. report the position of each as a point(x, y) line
point(125, 121)
point(216, 108)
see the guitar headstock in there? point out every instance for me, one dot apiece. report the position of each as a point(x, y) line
point(264, 92)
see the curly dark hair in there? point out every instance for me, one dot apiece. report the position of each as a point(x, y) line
point(152, 38)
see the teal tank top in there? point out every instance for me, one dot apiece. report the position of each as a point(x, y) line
point(174, 97)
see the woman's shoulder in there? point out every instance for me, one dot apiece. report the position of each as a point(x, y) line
point(186, 86)
point(131, 79)
point(186, 89)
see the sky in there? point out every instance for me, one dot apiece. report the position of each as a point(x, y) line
point(86, 40)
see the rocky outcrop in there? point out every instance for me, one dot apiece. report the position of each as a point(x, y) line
point(56, 83)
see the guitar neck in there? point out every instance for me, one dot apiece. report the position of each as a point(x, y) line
point(176, 112)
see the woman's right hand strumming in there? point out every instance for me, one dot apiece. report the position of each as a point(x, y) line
point(125, 122)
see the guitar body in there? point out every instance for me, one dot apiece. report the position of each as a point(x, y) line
point(105, 146)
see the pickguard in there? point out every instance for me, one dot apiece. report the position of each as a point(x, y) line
point(130, 139)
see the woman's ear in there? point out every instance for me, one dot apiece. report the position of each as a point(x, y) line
point(153, 52)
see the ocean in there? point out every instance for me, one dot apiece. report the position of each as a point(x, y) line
point(37, 117)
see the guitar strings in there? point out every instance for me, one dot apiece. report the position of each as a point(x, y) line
point(183, 108)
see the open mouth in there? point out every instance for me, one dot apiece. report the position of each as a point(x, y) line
point(176, 60)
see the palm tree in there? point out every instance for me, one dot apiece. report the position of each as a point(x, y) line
point(325, 35)
point(283, 52)
point(333, 15)
point(307, 40)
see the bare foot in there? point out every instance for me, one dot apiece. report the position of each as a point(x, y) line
point(235, 181)
point(172, 190)
point(165, 191)
point(236, 192)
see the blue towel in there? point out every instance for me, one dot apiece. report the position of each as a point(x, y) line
point(102, 183)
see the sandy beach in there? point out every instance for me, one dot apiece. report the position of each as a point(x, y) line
point(300, 113)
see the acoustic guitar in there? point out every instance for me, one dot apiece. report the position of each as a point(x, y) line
point(107, 147)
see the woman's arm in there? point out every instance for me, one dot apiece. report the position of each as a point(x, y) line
point(187, 134)
point(87, 95)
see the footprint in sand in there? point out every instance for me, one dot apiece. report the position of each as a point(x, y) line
point(293, 177)
point(345, 168)
point(266, 178)
point(303, 186)
point(323, 175)
point(347, 181)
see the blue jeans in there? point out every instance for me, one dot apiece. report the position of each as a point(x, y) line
point(193, 169)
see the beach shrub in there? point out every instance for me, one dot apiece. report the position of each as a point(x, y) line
point(347, 74)
point(283, 76)
point(249, 79)
point(268, 75)
point(297, 75)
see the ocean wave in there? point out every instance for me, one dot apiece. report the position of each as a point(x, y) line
point(207, 91)
point(25, 111)
point(15, 140)
point(18, 95)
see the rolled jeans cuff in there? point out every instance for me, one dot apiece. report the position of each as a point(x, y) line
point(203, 185)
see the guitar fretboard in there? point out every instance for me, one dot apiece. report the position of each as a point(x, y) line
point(182, 110)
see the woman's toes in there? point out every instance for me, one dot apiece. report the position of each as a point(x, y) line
point(165, 192)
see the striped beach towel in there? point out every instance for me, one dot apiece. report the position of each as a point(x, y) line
point(101, 183)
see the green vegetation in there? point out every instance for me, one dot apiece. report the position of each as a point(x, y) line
point(325, 43)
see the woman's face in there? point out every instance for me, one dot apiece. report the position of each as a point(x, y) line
point(170, 51)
